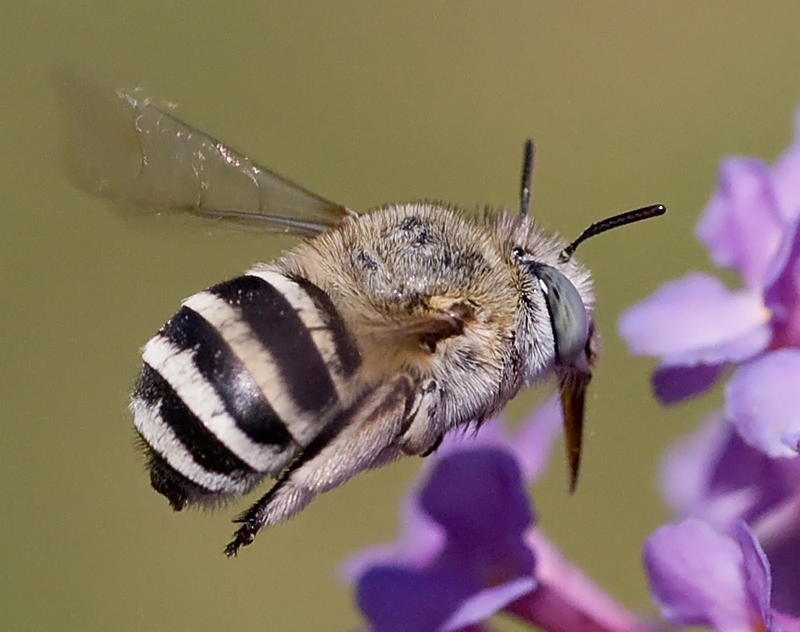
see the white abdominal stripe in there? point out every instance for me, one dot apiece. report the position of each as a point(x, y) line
point(238, 383)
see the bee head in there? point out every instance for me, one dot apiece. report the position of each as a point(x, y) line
point(571, 327)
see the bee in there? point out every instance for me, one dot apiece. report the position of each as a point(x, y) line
point(371, 339)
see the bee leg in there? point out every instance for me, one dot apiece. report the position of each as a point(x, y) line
point(434, 447)
point(359, 438)
point(421, 436)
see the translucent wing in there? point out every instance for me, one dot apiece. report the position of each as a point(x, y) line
point(125, 149)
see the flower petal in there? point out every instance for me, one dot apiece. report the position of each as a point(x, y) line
point(788, 624)
point(741, 226)
point(756, 573)
point(487, 602)
point(779, 535)
point(714, 475)
point(479, 499)
point(470, 490)
point(762, 399)
point(673, 384)
point(695, 576)
point(782, 295)
point(711, 475)
point(397, 599)
point(696, 320)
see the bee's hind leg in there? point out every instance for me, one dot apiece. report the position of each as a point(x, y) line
point(359, 438)
point(252, 521)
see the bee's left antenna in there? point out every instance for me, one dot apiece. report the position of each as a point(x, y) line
point(527, 177)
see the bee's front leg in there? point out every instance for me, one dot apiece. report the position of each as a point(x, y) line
point(422, 434)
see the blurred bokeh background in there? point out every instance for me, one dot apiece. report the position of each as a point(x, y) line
point(630, 103)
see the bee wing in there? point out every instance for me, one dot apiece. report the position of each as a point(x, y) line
point(123, 148)
point(362, 437)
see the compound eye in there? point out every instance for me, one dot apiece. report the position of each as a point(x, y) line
point(567, 314)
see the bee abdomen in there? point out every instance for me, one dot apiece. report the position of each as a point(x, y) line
point(238, 382)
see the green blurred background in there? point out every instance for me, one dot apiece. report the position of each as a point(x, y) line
point(630, 103)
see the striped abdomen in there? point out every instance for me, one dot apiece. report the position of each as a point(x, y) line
point(238, 383)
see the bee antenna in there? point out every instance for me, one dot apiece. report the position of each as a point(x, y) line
point(527, 177)
point(612, 222)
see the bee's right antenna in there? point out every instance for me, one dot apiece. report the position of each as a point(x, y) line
point(612, 222)
point(527, 177)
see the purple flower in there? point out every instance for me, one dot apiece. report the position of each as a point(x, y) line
point(738, 477)
point(469, 547)
point(701, 577)
point(762, 399)
point(717, 477)
point(697, 326)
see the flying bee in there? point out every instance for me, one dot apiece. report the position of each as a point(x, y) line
point(370, 340)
